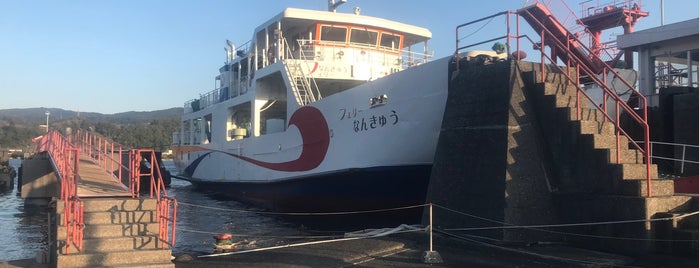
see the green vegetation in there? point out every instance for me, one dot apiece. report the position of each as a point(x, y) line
point(144, 130)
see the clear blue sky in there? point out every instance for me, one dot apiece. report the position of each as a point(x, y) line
point(128, 55)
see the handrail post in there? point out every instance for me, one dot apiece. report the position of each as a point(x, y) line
point(684, 149)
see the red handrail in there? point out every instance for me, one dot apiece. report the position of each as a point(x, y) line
point(108, 155)
point(65, 158)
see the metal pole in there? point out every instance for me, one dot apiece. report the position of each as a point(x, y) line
point(431, 223)
point(684, 147)
point(662, 12)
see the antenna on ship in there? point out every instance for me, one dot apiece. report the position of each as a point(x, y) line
point(332, 6)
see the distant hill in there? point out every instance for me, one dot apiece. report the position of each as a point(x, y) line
point(38, 115)
point(151, 129)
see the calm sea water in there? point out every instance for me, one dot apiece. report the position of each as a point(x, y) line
point(24, 231)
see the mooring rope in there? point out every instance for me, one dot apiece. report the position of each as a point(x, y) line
point(303, 213)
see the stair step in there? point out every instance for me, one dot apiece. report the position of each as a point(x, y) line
point(594, 127)
point(117, 259)
point(627, 156)
point(640, 187)
point(601, 141)
point(586, 114)
point(117, 244)
point(113, 230)
point(551, 89)
point(113, 204)
point(635, 171)
point(117, 217)
point(552, 76)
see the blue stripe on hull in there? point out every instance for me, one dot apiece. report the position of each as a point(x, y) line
point(347, 190)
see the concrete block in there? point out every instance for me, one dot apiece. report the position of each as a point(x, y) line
point(115, 204)
point(120, 258)
point(117, 217)
point(39, 180)
point(113, 230)
point(116, 244)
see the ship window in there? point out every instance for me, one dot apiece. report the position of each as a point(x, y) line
point(333, 33)
point(363, 37)
point(390, 41)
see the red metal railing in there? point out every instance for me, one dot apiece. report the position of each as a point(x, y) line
point(65, 158)
point(141, 164)
point(104, 152)
point(578, 64)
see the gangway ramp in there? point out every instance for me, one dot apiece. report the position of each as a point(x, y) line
point(94, 181)
point(547, 26)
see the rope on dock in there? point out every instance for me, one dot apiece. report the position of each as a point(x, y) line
point(303, 213)
point(375, 235)
point(537, 227)
point(502, 225)
point(265, 236)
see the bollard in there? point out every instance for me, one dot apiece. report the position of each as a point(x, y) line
point(431, 256)
point(224, 243)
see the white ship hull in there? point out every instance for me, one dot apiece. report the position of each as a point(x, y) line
point(344, 136)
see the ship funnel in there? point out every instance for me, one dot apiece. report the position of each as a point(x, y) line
point(232, 48)
point(228, 55)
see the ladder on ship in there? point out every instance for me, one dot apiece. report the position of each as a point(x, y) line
point(304, 86)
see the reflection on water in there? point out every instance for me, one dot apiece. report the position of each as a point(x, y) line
point(213, 215)
point(24, 230)
point(23, 227)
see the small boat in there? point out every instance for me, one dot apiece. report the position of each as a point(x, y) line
point(320, 111)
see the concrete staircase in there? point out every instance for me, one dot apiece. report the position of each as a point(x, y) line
point(592, 186)
point(119, 232)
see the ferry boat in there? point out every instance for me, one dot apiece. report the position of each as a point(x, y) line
point(320, 111)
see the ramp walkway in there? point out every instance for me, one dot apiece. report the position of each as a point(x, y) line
point(94, 181)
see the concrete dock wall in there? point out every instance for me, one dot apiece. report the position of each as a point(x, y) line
point(38, 179)
point(488, 161)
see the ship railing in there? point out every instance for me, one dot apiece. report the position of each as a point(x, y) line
point(181, 138)
point(339, 51)
point(598, 7)
point(205, 100)
point(573, 68)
